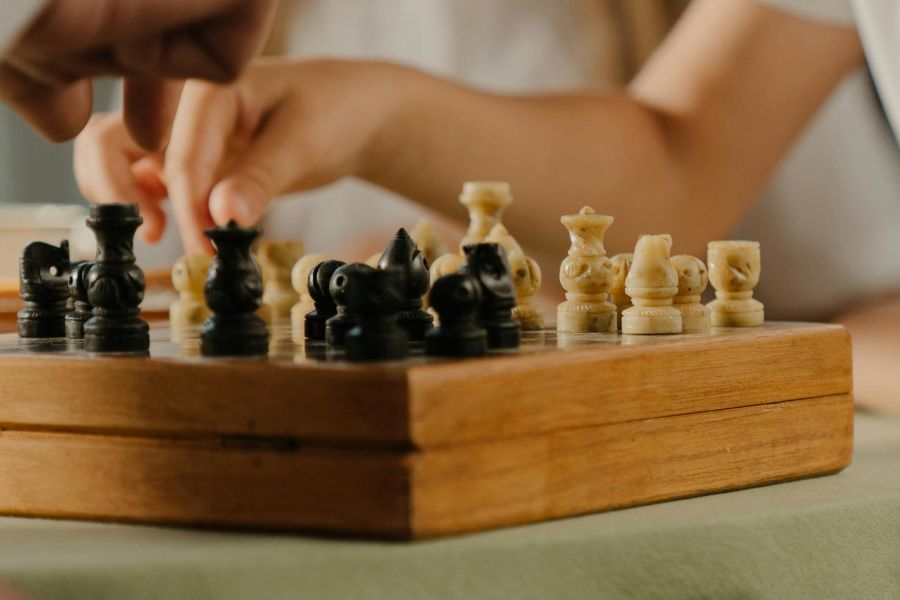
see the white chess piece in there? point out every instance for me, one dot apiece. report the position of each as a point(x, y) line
point(188, 277)
point(620, 266)
point(526, 275)
point(585, 275)
point(692, 280)
point(485, 201)
point(652, 284)
point(427, 240)
point(734, 268)
point(276, 259)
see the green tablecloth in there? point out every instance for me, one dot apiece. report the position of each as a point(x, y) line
point(830, 537)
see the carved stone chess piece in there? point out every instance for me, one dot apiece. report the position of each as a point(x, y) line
point(692, 280)
point(652, 284)
point(276, 259)
point(188, 278)
point(620, 265)
point(115, 283)
point(233, 292)
point(487, 264)
point(336, 327)
point(299, 281)
point(43, 285)
point(402, 253)
point(426, 238)
point(376, 298)
point(318, 284)
point(526, 275)
point(456, 298)
point(734, 268)
point(81, 305)
point(585, 275)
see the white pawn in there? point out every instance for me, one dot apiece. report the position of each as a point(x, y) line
point(734, 268)
point(652, 284)
point(620, 266)
point(586, 277)
point(692, 280)
point(299, 276)
point(188, 277)
point(276, 259)
point(426, 238)
point(526, 275)
point(485, 201)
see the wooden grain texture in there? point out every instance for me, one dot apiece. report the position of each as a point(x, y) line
point(426, 404)
point(421, 493)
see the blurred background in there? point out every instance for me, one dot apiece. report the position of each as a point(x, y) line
point(517, 46)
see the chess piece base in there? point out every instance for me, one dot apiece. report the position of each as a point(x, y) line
point(115, 334)
point(504, 334)
point(586, 317)
point(187, 313)
point(417, 323)
point(387, 343)
point(750, 315)
point(336, 329)
point(74, 323)
point(314, 326)
point(42, 323)
point(530, 317)
point(240, 335)
point(695, 318)
point(470, 341)
point(651, 320)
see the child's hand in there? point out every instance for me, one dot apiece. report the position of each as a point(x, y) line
point(284, 126)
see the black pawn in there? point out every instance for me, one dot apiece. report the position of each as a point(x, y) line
point(487, 264)
point(80, 311)
point(43, 285)
point(336, 327)
point(456, 298)
point(115, 284)
point(233, 292)
point(317, 284)
point(402, 253)
point(376, 298)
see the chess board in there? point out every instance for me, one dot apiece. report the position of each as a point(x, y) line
point(303, 440)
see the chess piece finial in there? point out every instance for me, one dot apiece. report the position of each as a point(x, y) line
point(652, 284)
point(233, 292)
point(403, 253)
point(692, 280)
point(527, 278)
point(487, 264)
point(188, 278)
point(585, 275)
point(336, 327)
point(376, 297)
point(318, 284)
point(485, 201)
point(43, 285)
point(299, 281)
point(426, 238)
point(734, 268)
point(81, 305)
point(276, 259)
point(620, 265)
point(115, 283)
point(456, 298)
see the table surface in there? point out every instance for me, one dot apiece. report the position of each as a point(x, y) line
point(829, 537)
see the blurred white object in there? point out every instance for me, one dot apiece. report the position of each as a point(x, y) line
point(24, 223)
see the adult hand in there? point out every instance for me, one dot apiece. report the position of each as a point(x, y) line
point(46, 75)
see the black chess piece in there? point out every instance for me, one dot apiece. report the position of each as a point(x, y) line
point(318, 286)
point(43, 285)
point(233, 292)
point(403, 253)
point(336, 327)
point(115, 284)
point(456, 298)
point(80, 310)
point(488, 265)
point(376, 298)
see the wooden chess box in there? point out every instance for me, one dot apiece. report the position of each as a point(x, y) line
point(567, 424)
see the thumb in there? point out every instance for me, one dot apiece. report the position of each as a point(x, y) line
point(271, 165)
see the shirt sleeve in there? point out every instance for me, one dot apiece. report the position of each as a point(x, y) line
point(830, 12)
point(15, 15)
